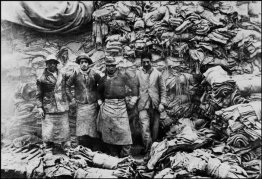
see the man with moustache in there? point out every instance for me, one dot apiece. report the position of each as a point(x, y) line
point(113, 119)
point(152, 99)
point(85, 82)
point(52, 105)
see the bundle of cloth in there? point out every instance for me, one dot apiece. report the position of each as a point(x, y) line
point(223, 91)
point(244, 129)
point(55, 17)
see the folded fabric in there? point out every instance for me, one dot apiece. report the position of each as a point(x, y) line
point(156, 152)
point(248, 83)
point(58, 17)
point(216, 75)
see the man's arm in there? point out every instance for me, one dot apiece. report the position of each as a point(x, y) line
point(162, 88)
point(39, 94)
point(97, 78)
point(132, 84)
point(68, 85)
point(39, 97)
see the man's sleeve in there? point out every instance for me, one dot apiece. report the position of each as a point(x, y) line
point(132, 84)
point(39, 94)
point(97, 80)
point(162, 88)
point(68, 85)
point(100, 88)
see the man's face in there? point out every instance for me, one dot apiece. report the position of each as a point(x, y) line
point(51, 65)
point(146, 63)
point(111, 69)
point(64, 57)
point(84, 65)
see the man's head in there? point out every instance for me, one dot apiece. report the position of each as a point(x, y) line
point(111, 65)
point(84, 61)
point(51, 63)
point(146, 61)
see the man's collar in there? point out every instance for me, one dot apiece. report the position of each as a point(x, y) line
point(149, 71)
point(50, 73)
point(85, 72)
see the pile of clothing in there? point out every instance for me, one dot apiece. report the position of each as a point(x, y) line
point(34, 161)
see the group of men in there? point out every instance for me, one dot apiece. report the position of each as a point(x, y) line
point(101, 112)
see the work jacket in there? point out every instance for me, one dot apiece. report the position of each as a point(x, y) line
point(50, 93)
point(85, 86)
point(152, 89)
point(115, 87)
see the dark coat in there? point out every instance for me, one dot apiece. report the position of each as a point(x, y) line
point(85, 87)
point(115, 87)
point(50, 93)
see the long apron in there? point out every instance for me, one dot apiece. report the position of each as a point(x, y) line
point(113, 122)
point(86, 120)
point(55, 127)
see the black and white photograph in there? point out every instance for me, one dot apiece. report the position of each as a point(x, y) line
point(131, 89)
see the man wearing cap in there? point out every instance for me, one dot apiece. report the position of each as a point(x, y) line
point(52, 105)
point(85, 81)
point(152, 99)
point(113, 122)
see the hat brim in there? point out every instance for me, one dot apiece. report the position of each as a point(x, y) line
point(88, 60)
point(52, 60)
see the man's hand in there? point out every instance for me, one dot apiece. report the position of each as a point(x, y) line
point(132, 101)
point(73, 102)
point(41, 112)
point(161, 108)
point(99, 102)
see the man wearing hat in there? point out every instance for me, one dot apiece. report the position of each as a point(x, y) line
point(52, 105)
point(85, 81)
point(113, 119)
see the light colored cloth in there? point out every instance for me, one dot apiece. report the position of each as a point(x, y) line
point(113, 122)
point(216, 75)
point(55, 128)
point(55, 17)
point(86, 120)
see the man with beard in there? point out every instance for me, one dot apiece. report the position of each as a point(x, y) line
point(85, 82)
point(152, 99)
point(113, 120)
point(52, 105)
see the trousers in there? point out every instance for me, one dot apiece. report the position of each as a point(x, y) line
point(149, 124)
point(119, 150)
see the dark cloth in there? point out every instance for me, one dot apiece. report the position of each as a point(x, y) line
point(114, 87)
point(95, 144)
point(85, 86)
point(151, 88)
point(119, 150)
point(50, 93)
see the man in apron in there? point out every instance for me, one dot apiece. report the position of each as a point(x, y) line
point(85, 82)
point(52, 105)
point(113, 122)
